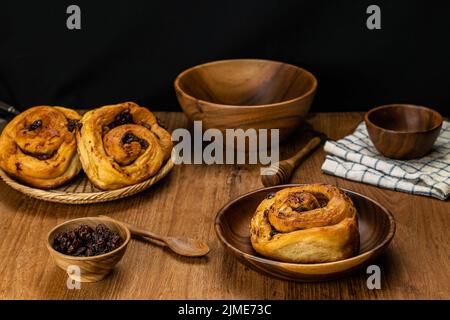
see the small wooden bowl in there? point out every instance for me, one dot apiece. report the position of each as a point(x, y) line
point(93, 268)
point(246, 93)
point(403, 131)
point(376, 228)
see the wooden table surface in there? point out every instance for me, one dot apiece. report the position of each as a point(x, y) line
point(416, 265)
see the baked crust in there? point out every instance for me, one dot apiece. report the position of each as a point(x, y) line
point(307, 224)
point(121, 145)
point(38, 147)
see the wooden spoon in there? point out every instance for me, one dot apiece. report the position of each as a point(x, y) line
point(183, 246)
point(282, 171)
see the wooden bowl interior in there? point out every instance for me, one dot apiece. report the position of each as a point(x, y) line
point(91, 222)
point(374, 223)
point(405, 118)
point(246, 82)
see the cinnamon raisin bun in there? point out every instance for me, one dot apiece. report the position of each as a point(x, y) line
point(306, 224)
point(38, 147)
point(121, 145)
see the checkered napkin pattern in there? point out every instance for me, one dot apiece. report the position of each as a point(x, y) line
point(354, 157)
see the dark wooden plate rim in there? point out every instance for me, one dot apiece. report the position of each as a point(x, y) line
point(382, 245)
point(307, 93)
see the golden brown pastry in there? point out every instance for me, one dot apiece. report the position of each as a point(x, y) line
point(306, 224)
point(38, 146)
point(121, 145)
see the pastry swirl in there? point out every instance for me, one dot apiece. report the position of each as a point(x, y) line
point(306, 224)
point(121, 145)
point(38, 146)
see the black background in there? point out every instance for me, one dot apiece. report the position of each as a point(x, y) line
point(168, 309)
point(133, 50)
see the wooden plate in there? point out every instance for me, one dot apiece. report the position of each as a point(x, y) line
point(81, 191)
point(376, 228)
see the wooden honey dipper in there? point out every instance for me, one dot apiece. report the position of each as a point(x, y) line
point(282, 171)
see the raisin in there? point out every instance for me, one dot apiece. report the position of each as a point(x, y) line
point(144, 144)
point(72, 235)
point(270, 195)
point(301, 209)
point(80, 251)
point(72, 124)
point(273, 233)
point(44, 156)
point(122, 118)
point(101, 228)
point(35, 125)
point(85, 232)
point(129, 138)
point(84, 241)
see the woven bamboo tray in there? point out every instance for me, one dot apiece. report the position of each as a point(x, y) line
point(81, 191)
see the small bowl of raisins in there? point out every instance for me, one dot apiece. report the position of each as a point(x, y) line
point(88, 248)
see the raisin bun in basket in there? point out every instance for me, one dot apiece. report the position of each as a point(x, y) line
point(38, 147)
point(121, 145)
point(306, 224)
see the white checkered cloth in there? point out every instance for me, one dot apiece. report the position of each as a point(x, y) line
point(354, 157)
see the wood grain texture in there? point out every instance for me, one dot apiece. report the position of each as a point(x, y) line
point(246, 93)
point(416, 264)
point(403, 131)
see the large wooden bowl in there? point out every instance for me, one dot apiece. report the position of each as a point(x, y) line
point(403, 131)
point(376, 228)
point(246, 93)
point(94, 268)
